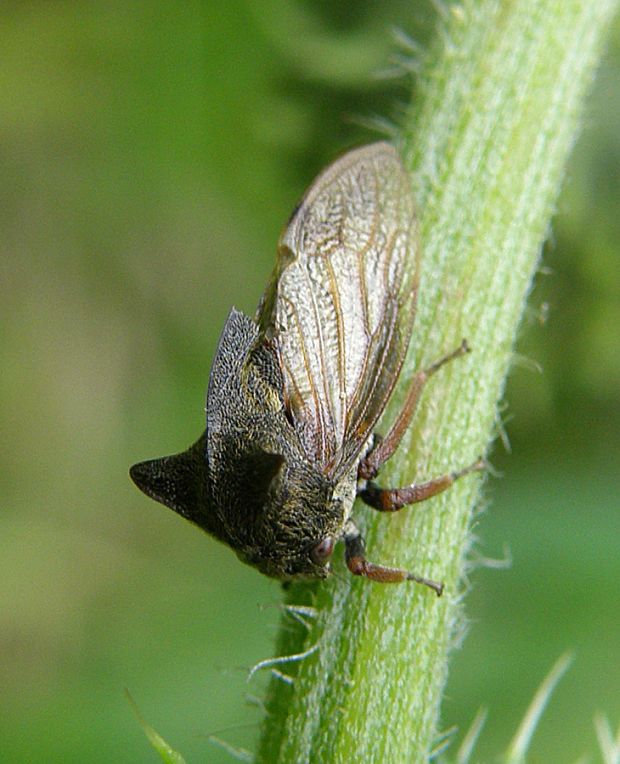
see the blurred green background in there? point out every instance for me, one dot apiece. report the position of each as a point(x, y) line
point(149, 155)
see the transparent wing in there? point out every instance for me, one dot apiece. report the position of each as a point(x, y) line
point(341, 300)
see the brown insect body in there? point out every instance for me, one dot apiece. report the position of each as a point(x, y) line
point(294, 395)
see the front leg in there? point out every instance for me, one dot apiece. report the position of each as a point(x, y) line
point(393, 499)
point(359, 565)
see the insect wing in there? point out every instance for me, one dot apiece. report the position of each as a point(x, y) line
point(341, 301)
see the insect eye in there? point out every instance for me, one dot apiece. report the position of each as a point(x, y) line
point(323, 550)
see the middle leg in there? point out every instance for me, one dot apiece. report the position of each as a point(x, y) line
point(393, 499)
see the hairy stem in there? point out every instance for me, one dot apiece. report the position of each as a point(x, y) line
point(496, 114)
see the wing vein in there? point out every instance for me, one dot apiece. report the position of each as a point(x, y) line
point(341, 302)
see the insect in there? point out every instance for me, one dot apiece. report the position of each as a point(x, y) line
point(295, 393)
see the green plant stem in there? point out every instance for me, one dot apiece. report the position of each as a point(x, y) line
point(497, 112)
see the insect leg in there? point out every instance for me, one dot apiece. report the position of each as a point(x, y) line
point(359, 565)
point(385, 447)
point(392, 499)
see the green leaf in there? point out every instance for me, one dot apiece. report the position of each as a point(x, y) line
point(168, 754)
point(520, 743)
